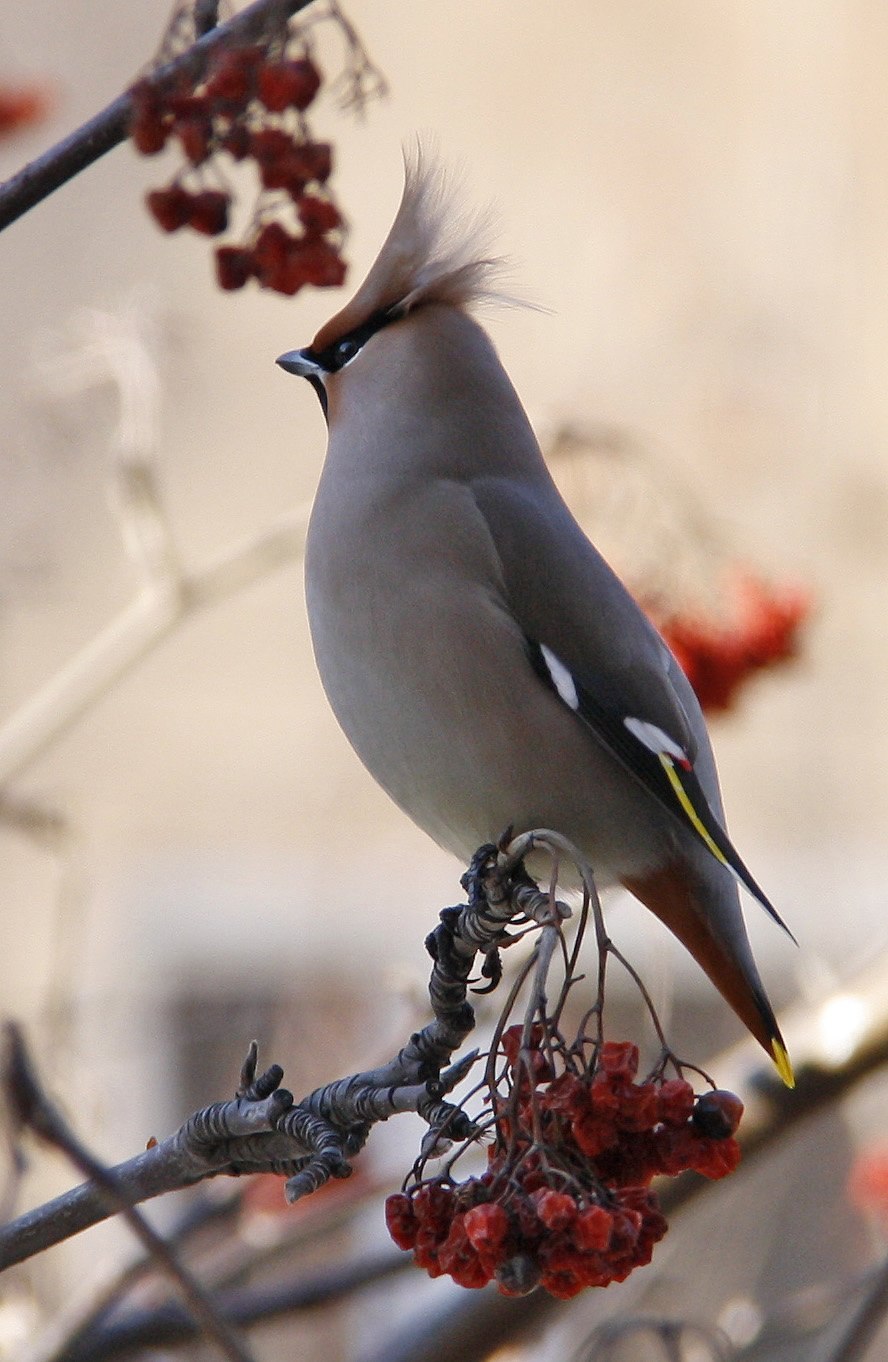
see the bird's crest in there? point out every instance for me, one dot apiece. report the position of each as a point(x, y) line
point(434, 253)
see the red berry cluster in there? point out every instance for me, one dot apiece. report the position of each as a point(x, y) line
point(717, 658)
point(565, 1202)
point(249, 106)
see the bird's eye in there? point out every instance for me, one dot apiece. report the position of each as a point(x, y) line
point(345, 350)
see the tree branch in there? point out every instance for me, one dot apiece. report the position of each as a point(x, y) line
point(264, 1130)
point(168, 1325)
point(34, 1109)
point(55, 167)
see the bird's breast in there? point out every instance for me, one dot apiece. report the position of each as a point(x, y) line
point(428, 674)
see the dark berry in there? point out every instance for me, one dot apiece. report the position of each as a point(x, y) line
point(717, 1114)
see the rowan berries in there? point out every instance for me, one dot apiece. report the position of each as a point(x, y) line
point(288, 84)
point(566, 1202)
point(242, 107)
point(170, 207)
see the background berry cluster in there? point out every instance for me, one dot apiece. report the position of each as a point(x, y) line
point(249, 107)
point(565, 1202)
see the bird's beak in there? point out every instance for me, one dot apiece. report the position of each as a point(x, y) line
point(299, 362)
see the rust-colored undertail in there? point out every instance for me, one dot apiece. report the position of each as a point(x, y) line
point(668, 893)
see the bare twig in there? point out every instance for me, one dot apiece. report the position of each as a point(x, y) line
point(866, 1320)
point(168, 1325)
point(139, 628)
point(107, 129)
point(35, 1110)
point(120, 349)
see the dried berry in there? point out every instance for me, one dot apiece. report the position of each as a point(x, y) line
point(717, 1114)
point(209, 212)
point(400, 1220)
point(232, 77)
point(170, 207)
point(592, 1229)
point(557, 1210)
point(234, 267)
point(195, 134)
point(318, 215)
point(518, 1275)
point(288, 84)
point(237, 108)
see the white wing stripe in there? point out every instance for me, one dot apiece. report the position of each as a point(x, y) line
point(654, 739)
point(561, 677)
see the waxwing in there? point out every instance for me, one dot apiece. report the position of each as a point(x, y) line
point(486, 664)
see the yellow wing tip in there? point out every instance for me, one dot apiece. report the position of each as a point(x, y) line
point(783, 1063)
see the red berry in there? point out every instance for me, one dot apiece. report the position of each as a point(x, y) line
point(270, 144)
point(639, 1107)
point(236, 141)
point(606, 1093)
point(486, 1227)
point(187, 104)
point(231, 77)
point(528, 1225)
point(675, 1148)
point(285, 172)
point(149, 132)
point(567, 1094)
point(557, 1210)
point(209, 212)
point(592, 1229)
point(618, 1057)
point(593, 1133)
point(318, 160)
point(196, 135)
point(288, 84)
point(458, 1257)
point(562, 1268)
point(625, 1230)
point(400, 1220)
point(270, 250)
point(433, 1205)
point(716, 1158)
point(676, 1101)
point(149, 124)
point(322, 265)
point(318, 215)
point(170, 207)
point(234, 266)
point(717, 1114)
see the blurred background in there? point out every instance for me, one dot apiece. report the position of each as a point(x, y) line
point(695, 194)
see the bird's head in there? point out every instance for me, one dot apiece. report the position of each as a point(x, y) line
point(432, 254)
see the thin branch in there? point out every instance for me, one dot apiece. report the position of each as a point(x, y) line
point(866, 1321)
point(81, 1317)
point(35, 1110)
point(168, 1325)
point(55, 167)
point(140, 628)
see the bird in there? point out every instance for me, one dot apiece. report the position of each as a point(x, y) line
point(489, 668)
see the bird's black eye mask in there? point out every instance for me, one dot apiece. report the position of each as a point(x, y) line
point(335, 357)
point(316, 364)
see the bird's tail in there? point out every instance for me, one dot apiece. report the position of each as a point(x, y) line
point(728, 961)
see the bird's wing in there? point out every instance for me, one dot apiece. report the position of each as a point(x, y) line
point(589, 641)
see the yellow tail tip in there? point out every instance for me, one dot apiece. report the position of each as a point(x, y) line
point(783, 1063)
